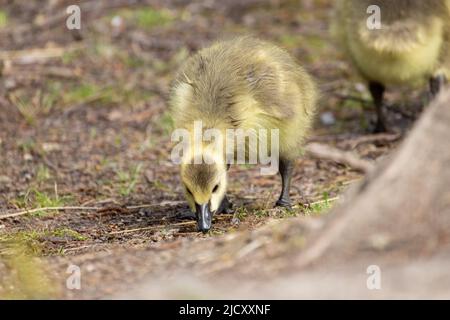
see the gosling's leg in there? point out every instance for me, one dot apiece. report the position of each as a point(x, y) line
point(436, 84)
point(285, 169)
point(377, 91)
point(225, 207)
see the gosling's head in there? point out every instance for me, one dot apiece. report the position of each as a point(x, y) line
point(205, 186)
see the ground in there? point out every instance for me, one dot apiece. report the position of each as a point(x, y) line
point(84, 124)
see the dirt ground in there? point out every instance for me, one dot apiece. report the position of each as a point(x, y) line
point(84, 123)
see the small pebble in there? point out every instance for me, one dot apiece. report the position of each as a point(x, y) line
point(50, 146)
point(117, 21)
point(27, 157)
point(5, 179)
point(327, 118)
point(90, 268)
point(360, 87)
point(10, 84)
point(379, 241)
point(235, 221)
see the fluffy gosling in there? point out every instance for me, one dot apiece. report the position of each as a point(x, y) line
point(412, 45)
point(243, 83)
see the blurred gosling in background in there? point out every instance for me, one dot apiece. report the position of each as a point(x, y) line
point(412, 45)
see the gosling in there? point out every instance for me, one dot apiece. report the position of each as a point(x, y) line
point(411, 45)
point(244, 83)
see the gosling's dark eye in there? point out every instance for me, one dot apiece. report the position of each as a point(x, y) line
point(215, 188)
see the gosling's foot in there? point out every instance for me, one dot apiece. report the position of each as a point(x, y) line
point(437, 83)
point(284, 203)
point(380, 127)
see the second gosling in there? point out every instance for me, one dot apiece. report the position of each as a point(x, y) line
point(243, 83)
point(412, 44)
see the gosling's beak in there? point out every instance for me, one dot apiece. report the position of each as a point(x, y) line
point(204, 217)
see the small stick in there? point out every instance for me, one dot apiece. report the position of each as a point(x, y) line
point(307, 205)
point(326, 152)
point(154, 227)
point(164, 203)
point(352, 98)
point(20, 213)
point(31, 56)
point(77, 248)
point(10, 215)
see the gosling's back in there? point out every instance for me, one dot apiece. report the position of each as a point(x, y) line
point(246, 83)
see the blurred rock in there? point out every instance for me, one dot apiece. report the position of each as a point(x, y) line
point(327, 118)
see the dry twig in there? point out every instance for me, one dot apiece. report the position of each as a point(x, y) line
point(327, 152)
point(20, 213)
point(99, 209)
point(372, 138)
point(187, 223)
